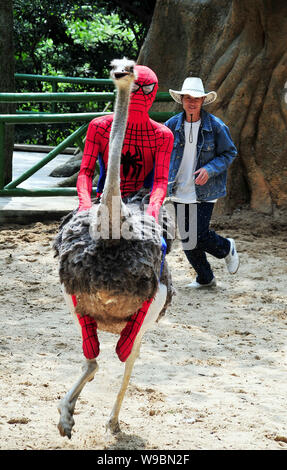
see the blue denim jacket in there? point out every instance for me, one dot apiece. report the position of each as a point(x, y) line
point(215, 152)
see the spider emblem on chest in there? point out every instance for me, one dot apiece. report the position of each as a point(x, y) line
point(134, 161)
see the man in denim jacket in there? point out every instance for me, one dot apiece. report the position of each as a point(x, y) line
point(203, 150)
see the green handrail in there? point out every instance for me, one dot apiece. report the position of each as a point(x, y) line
point(40, 118)
point(22, 192)
point(64, 97)
point(62, 79)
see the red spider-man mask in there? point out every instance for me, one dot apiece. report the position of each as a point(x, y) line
point(143, 93)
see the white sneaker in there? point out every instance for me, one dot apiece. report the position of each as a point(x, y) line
point(197, 285)
point(232, 259)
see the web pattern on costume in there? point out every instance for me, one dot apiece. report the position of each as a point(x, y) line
point(146, 151)
point(147, 147)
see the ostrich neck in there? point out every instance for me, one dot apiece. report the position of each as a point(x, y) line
point(117, 135)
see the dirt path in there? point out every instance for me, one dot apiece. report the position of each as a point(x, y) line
point(211, 375)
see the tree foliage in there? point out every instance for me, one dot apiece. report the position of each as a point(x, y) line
point(77, 38)
point(73, 38)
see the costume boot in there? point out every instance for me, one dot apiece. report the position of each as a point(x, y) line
point(130, 331)
point(91, 345)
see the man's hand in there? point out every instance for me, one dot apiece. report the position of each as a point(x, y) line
point(202, 177)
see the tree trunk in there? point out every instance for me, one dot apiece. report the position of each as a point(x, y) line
point(7, 78)
point(238, 48)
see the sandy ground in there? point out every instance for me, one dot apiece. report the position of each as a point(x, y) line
point(211, 375)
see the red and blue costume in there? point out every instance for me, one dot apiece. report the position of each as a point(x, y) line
point(145, 161)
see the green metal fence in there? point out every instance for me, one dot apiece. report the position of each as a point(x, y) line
point(54, 80)
point(11, 189)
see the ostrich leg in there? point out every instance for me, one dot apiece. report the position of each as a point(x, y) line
point(113, 423)
point(67, 404)
point(151, 316)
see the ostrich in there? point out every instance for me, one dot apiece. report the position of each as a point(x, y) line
point(112, 274)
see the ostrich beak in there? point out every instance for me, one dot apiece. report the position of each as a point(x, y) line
point(119, 75)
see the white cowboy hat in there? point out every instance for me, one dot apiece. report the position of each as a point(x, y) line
point(193, 86)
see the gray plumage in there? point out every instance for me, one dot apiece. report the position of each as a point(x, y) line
point(111, 278)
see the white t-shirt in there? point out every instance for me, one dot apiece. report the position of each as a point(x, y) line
point(185, 190)
point(185, 186)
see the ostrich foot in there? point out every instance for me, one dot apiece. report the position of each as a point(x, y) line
point(67, 405)
point(113, 426)
point(66, 423)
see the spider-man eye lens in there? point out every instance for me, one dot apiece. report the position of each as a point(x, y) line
point(135, 87)
point(147, 89)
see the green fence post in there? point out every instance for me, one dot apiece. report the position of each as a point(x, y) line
point(54, 89)
point(2, 155)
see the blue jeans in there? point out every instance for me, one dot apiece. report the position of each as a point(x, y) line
point(207, 241)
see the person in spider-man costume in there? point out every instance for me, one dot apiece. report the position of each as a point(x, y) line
point(145, 159)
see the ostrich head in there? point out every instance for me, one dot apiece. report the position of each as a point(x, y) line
point(123, 72)
point(141, 80)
